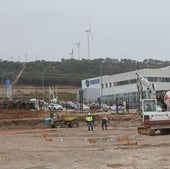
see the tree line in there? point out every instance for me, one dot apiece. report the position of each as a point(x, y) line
point(70, 72)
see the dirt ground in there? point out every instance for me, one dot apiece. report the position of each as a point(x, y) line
point(30, 144)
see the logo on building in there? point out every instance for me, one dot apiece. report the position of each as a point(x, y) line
point(92, 82)
point(87, 83)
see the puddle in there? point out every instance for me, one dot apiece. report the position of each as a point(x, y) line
point(103, 139)
point(38, 167)
point(98, 139)
point(91, 139)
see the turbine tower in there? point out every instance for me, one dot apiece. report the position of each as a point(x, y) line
point(78, 49)
point(88, 31)
point(72, 53)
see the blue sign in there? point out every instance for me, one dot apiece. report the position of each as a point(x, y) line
point(92, 82)
point(8, 84)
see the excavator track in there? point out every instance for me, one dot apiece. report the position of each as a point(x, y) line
point(146, 131)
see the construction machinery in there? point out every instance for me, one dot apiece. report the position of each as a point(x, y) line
point(65, 121)
point(153, 121)
point(62, 121)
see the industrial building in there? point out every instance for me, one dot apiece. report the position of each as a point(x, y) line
point(122, 87)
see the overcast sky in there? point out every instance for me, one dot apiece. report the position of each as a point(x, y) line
point(49, 29)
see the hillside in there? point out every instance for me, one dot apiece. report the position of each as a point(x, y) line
point(69, 72)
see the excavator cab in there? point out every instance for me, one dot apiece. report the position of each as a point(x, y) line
point(149, 105)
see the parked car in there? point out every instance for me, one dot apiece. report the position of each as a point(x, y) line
point(94, 106)
point(113, 107)
point(70, 105)
point(55, 107)
point(85, 107)
point(105, 107)
point(158, 108)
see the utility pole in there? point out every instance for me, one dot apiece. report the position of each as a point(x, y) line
point(101, 85)
point(43, 71)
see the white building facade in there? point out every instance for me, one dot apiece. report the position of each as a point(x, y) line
point(122, 87)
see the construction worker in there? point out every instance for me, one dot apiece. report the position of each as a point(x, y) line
point(104, 123)
point(51, 112)
point(89, 120)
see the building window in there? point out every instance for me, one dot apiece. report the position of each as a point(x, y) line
point(125, 82)
point(158, 79)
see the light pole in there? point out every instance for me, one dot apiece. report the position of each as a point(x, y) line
point(101, 85)
point(43, 78)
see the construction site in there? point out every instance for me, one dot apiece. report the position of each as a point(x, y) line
point(38, 138)
point(28, 143)
point(84, 84)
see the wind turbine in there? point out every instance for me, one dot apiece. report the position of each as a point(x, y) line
point(88, 31)
point(78, 49)
point(72, 53)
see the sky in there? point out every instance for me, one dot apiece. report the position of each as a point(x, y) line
point(52, 29)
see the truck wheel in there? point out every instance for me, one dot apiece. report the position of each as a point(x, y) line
point(57, 124)
point(74, 124)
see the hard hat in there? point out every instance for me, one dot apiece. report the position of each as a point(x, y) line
point(89, 113)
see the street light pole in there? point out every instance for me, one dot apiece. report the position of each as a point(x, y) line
point(43, 78)
point(101, 85)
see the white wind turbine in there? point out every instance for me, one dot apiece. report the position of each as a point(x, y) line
point(72, 53)
point(78, 49)
point(88, 31)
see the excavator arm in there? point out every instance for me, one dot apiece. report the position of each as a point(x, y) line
point(144, 82)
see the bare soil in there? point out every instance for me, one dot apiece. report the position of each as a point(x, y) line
point(27, 143)
point(30, 89)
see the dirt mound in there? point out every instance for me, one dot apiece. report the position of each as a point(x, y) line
point(16, 119)
point(20, 114)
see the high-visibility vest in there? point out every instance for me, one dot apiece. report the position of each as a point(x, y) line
point(89, 118)
point(105, 118)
